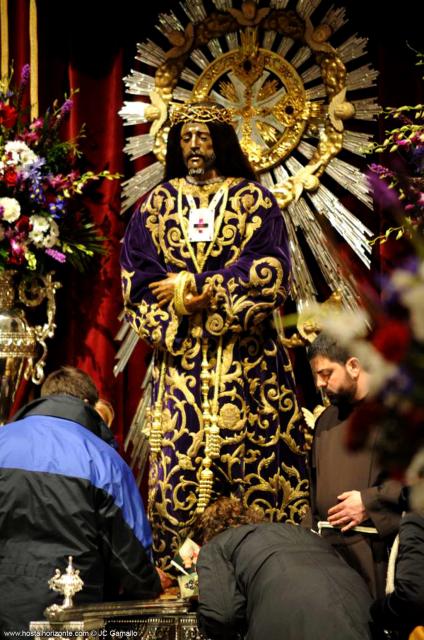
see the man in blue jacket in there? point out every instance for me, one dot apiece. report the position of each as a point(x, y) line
point(64, 490)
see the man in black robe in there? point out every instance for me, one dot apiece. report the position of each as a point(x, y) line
point(353, 502)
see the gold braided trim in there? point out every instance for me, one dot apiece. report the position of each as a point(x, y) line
point(200, 112)
point(155, 438)
point(212, 436)
point(185, 283)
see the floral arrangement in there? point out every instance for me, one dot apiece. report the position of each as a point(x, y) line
point(399, 185)
point(42, 219)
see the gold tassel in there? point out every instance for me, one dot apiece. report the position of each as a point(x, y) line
point(155, 438)
point(205, 488)
point(213, 438)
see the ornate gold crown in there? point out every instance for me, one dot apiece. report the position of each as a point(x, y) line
point(200, 112)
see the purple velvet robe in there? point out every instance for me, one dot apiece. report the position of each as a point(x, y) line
point(250, 385)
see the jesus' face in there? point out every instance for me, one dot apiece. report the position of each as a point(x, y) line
point(197, 148)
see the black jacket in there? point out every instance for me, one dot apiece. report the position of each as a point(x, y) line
point(403, 609)
point(278, 581)
point(64, 491)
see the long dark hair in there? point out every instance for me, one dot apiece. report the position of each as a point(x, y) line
point(230, 158)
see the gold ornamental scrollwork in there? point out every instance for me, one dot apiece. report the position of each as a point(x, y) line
point(20, 340)
point(270, 117)
point(32, 291)
point(264, 91)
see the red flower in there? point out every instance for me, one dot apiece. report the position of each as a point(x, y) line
point(392, 340)
point(10, 177)
point(8, 115)
point(23, 225)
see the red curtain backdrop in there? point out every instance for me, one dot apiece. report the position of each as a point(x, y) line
point(90, 46)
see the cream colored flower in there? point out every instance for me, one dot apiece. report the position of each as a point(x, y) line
point(39, 224)
point(346, 325)
point(20, 154)
point(380, 369)
point(44, 232)
point(411, 290)
point(11, 209)
point(53, 236)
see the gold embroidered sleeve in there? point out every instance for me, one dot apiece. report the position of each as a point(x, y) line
point(240, 303)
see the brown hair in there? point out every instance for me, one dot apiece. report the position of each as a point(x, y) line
point(225, 513)
point(71, 382)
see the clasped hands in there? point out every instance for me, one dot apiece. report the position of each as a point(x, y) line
point(164, 291)
point(349, 512)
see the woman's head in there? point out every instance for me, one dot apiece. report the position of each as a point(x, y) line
point(225, 513)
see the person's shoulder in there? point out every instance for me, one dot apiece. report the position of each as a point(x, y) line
point(233, 536)
point(154, 198)
point(413, 519)
point(261, 194)
point(106, 466)
point(330, 417)
point(255, 186)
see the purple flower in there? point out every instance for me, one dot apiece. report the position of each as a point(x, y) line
point(380, 170)
point(66, 106)
point(25, 75)
point(57, 208)
point(385, 196)
point(56, 255)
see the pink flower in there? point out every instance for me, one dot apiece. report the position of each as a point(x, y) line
point(56, 255)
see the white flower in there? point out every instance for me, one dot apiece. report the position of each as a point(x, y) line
point(345, 325)
point(402, 279)
point(11, 209)
point(413, 299)
point(20, 155)
point(40, 224)
point(52, 238)
point(411, 290)
point(44, 232)
point(379, 369)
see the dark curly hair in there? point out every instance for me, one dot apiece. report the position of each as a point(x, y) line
point(226, 513)
point(326, 346)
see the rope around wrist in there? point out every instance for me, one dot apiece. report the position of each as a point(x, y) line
point(184, 284)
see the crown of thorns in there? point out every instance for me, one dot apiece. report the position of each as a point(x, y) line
point(200, 112)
